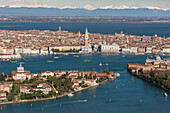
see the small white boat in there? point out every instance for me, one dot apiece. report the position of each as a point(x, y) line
point(123, 56)
point(100, 64)
point(106, 64)
point(165, 94)
point(117, 74)
point(70, 94)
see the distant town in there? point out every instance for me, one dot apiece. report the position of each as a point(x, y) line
point(85, 19)
point(13, 43)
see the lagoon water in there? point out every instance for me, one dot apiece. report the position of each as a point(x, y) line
point(126, 94)
point(162, 29)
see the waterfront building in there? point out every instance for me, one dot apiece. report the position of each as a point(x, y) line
point(60, 73)
point(166, 50)
point(47, 73)
point(148, 49)
point(65, 48)
point(21, 74)
point(120, 34)
point(134, 49)
point(141, 50)
point(150, 64)
point(125, 50)
point(114, 48)
point(3, 95)
point(9, 56)
point(86, 50)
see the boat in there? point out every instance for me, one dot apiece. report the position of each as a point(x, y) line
point(56, 57)
point(165, 94)
point(123, 56)
point(86, 61)
point(85, 100)
point(117, 74)
point(50, 61)
point(100, 64)
point(70, 94)
point(82, 100)
point(13, 61)
point(106, 64)
point(76, 56)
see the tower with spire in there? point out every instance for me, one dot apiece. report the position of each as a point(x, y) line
point(59, 28)
point(86, 37)
point(127, 41)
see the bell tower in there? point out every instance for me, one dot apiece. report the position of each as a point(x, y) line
point(86, 38)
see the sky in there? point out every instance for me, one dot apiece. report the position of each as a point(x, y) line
point(89, 4)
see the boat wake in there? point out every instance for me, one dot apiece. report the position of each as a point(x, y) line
point(63, 103)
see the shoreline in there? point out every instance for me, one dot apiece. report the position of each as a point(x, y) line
point(50, 98)
point(152, 83)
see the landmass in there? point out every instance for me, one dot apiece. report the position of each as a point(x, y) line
point(23, 86)
point(156, 71)
point(85, 19)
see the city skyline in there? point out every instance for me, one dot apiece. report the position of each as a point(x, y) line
point(90, 5)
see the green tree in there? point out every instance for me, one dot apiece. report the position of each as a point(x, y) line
point(2, 77)
point(35, 83)
point(10, 97)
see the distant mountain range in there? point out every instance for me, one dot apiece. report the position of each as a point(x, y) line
point(41, 11)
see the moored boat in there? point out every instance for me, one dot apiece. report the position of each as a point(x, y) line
point(70, 95)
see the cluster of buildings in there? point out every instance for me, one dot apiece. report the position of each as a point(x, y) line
point(150, 64)
point(5, 88)
point(45, 42)
point(76, 78)
point(45, 88)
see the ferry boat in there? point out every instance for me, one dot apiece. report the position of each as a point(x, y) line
point(70, 95)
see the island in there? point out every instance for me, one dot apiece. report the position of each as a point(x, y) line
point(22, 86)
point(156, 71)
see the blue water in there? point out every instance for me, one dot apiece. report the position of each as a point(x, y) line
point(126, 94)
point(162, 29)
